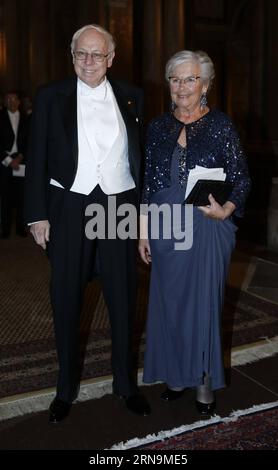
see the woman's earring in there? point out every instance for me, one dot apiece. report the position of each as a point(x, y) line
point(173, 106)
point(203, 100)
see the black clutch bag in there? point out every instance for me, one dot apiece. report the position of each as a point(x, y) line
point(220, 190)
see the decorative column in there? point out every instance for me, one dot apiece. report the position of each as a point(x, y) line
point(9, 41)
point(173, 37)
point(271, 78)
point(39, 53)
point(3, 47)
point(257, 69)
point(173, 27)
point(120, 25)
point(152, 58)
point(271, 97)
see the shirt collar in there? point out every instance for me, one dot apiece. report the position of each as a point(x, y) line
point(97, 92)
point(15, 114)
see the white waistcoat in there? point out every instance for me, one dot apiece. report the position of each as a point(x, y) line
point(102, 142)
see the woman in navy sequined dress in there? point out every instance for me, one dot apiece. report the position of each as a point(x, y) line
point(183, 346)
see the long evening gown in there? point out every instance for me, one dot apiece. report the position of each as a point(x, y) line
point(186, 294)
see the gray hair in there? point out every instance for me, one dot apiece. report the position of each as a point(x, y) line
point(199, 57)
point(109, 38)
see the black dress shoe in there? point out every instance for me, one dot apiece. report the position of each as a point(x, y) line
point(205, 408)
point(171, 395)
point(138, 405)
point(58, 410)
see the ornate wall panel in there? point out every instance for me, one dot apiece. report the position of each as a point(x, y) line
point(241, 36)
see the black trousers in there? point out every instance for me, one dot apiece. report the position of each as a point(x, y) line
point(11, 196)
point(72, 256)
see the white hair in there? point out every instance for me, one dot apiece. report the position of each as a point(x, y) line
point(200, 57)
point(109, 38)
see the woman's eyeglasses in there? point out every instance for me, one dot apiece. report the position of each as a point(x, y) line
point(188, 81)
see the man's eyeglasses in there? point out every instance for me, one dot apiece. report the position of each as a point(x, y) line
point(95, 56)
point(189, 81)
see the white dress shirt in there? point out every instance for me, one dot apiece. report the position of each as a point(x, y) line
point(102, 142)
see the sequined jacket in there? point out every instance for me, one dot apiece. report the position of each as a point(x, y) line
point(212, 142)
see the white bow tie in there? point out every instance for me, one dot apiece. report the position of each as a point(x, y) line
point(98, 93)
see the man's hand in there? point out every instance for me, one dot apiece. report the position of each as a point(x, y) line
point(40, 231)
point(144, 244)
point(16, 162)
point(145, 251)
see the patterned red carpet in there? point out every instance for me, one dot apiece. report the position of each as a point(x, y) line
point(27, 350)
point(258, 431)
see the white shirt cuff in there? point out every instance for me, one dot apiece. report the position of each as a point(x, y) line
point(32, 223)
point(7, 161)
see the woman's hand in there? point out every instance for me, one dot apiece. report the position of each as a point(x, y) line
point(216, 211)
point(144, 250)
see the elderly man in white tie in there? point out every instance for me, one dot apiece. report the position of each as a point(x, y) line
point(85, 147)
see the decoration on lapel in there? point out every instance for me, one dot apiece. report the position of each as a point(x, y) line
point(130, 103)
